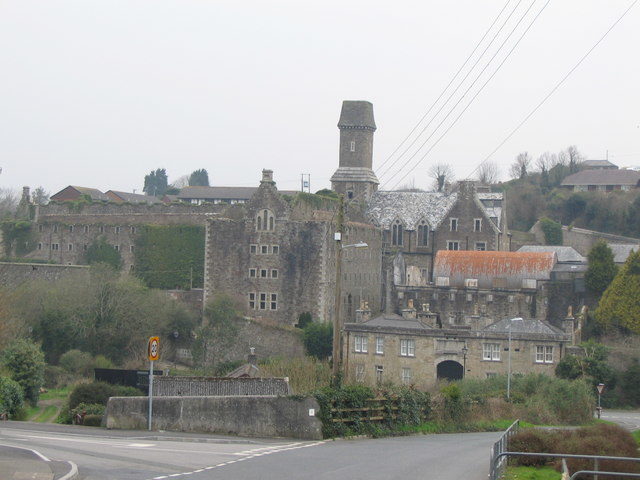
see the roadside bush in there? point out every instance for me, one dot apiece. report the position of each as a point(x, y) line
point(25, 361)
point(57, 377)
point(77, 362)
point(92, 413)
point(11, 396)
point(99, 393)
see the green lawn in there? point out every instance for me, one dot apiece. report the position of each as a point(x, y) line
point(636, 435)
point(49, 406)
point(532, 473)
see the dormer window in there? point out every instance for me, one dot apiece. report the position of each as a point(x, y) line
point(396, 233)
point(265, 221)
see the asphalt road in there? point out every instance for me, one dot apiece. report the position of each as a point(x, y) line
point(625, 418)
point(102, 454)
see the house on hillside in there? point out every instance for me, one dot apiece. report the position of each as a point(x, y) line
point(122, 197)
point(602, 180)
point(414, 349)
point(72, 193)
point(598, 165)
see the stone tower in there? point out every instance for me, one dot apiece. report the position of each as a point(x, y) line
point(354, 177)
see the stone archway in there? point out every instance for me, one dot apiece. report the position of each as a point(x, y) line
point(450, 370)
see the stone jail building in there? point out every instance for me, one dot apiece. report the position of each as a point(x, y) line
point(279, 258)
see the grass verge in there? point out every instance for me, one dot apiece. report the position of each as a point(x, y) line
point(531, 473)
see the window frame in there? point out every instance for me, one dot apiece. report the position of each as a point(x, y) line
point(491, 352)
point(477, 224)
point(544, 354)
point(453, 222)
point(455, 243)
point(407, 347)
point(379, 345)
point(361, 344)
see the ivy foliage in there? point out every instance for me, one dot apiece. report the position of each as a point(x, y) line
point(343, 410)
point(101, 252)
point(25, 361)
point(168, 256)
point(218, 332)
point(619, 305)
point(552, 231)
point(17, 237)
point(602, 269)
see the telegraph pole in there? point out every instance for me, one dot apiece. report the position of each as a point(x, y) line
point(337, 324)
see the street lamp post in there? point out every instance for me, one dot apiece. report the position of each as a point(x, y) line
point(337, 321)
point(509, 359)
point(465, 350)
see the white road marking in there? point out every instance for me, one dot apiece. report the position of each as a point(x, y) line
point(261, 452)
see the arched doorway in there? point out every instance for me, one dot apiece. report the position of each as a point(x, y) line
point(449, 370)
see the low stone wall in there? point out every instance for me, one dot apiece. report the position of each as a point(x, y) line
point(167, 386)
point(248, 416)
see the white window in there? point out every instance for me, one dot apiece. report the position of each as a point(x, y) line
point(274, 273)
point(274, 301)
point(408, 347)
point(359, 372)
point(361, 342)
point(55, 246)
point(379, 345)
point(352, 146)
point(406, 375)
point(481, 246)
point(263, 273)
point(252, 300)
point(117, 248)
point(253, 249)
point(453, 245)
point(275, 249)
point(453, 225)
point(252, 273)
point(544, 354)
point(264, 249)
point(379, 371)
point(491, 352)
point(477, 224)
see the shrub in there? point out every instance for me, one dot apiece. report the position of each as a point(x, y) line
point(25, 361)
point(11, 396)
point(57, 377)
point(99, 393)
point(318, 339)
point(102, 362)
point(75, 361)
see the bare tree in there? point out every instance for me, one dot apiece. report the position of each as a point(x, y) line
point(520, 168)
point(442, 173)
point(575, 158)
point(181, 182)
point(488, 173)
point(546, 161)
point(8, 202)
point(40, 196)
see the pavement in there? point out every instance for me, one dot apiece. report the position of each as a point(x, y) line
point(22, 463)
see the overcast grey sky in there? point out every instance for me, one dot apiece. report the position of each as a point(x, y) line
point(99, 93)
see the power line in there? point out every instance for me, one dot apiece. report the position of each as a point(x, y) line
point(445, 89)
point(558, 85)
point(468, 89)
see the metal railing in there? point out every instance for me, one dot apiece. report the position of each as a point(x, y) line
point(499, 462)
point(497, 467)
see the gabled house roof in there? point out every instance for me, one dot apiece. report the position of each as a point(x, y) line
point(73, 192)
point(121, 197)
point(522, 325)
point(565, 254)
point(622, 251)
point(603, 177)
point(409, 208)
point(514, 267)
point(598, 164)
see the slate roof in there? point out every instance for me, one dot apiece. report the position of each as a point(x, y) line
point(598, 164)
point(223, 193)
point(409, 207)
point(134, 197)
point(520, 325)
point(622, 251)
point(94, 193)
point(395, 321)
point(357, 114)
point(603, 177)
point(565, 254)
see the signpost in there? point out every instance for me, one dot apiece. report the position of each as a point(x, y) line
point(153, 352)
point(600, 388)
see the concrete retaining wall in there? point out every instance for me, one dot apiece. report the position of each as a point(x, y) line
point(244, 416)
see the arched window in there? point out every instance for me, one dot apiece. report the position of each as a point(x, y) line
point(423, 234)
point(265, 220)
point(396, 233)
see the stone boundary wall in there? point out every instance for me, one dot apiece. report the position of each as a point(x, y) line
point(247, 416)
point(582, 239)
point(67, 209)
point(167, 386)
point(15, 274)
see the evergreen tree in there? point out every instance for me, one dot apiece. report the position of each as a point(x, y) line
point(156, 182)
point(602, 268)
point(199, 178)
point(619, 305)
